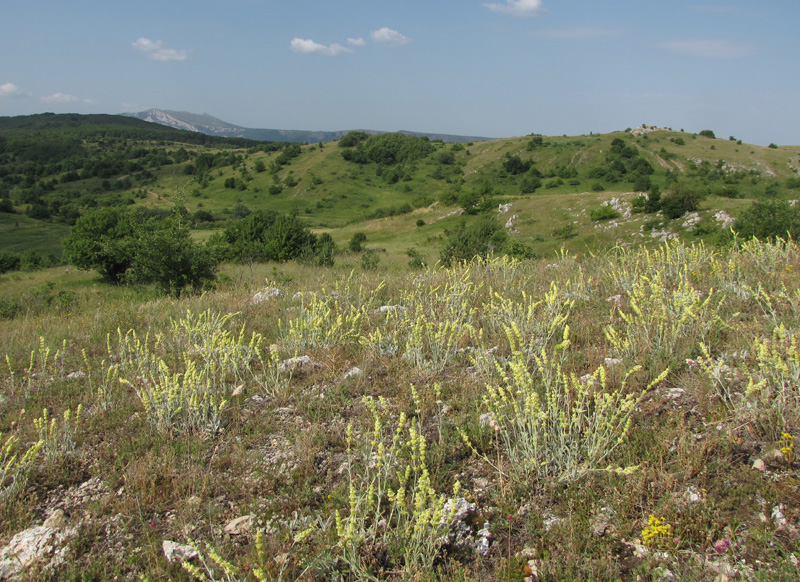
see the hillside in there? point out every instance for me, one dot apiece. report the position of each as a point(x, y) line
point(210, 125)
point(625, 416)
point(54, 168)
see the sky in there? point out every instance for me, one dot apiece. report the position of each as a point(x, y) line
point(498, 68)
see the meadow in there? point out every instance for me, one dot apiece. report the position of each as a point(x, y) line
point(625, 414)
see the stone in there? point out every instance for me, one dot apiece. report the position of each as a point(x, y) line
point(353, 373)
point(601, 521)
point(77, 375)
point(175, 552)
point(266, 295)
point(240, 525)
point(759, 465)
point(298, 363)
point(47, 544)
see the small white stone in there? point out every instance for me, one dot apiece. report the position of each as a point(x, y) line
point(240, 525)
point(175, 552)
point(759, 465)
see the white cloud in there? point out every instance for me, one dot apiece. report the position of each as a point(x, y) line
point(309, 47)
point(10, 90)
point(388, 36)
point(711, 49)
point(155, 50)
point(58, 98)
point(356, 41)
point(518, 7)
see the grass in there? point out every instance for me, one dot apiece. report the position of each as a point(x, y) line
point(544, 427)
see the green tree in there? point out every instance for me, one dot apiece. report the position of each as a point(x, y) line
point(167, 256)
point(103, 240)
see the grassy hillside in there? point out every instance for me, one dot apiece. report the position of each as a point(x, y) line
point(55, 168)
point(611, 417)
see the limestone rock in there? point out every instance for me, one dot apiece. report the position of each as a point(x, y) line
point(240, 525)
point(266, 295)
point(175, 552)
point(47, 543)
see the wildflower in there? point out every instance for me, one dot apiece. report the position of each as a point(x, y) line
point(721, 546)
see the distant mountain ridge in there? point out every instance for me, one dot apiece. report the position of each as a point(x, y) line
point(209, 125)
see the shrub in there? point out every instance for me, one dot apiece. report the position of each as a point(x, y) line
point(769, 219)
point(680, 200)
point(605, 212)
point(9, 261)
point(480, 239)
point(267, 236)
point(708, 133)
point(355, 242)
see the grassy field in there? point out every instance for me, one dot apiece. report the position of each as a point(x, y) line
point(628, 414)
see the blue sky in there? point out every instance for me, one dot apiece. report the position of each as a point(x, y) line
point(491, 68)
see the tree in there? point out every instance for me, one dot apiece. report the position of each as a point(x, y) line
point(168, 257)
point(103, 240)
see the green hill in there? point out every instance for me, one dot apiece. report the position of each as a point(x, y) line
point(53, 168)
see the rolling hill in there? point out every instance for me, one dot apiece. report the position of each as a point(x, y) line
point(204, 123)
point(53, 168)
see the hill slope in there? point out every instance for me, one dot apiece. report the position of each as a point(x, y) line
point(209, 125)
point(53, 168)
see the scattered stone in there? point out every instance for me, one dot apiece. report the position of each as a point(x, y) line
point(175, 552)
point(759, 465)
point(484, 540)
point(459, 508)
point(775, 456)
point(266, 295)
point(610, 362)
point(503, 208)
point(390, 308)
point(487, 420)
point(675, 393)
point(47, 544)
point(77, 375)
point(602, 521)
point(616, 299)
point(778, 517)
point(240, 525)
point(353, 373)
point(298, 363)
point(238, 391)
point(693, 495)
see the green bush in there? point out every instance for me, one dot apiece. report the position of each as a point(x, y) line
point(9, 261)
point(481, 238)
point(129, 246)
point(769, 219)
point(606, 212)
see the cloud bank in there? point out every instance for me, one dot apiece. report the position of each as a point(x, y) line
point(156, 50)
point(522, 8)
point(309, 47)
point(389, 37)
point(58, 98)
point(10, 90)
